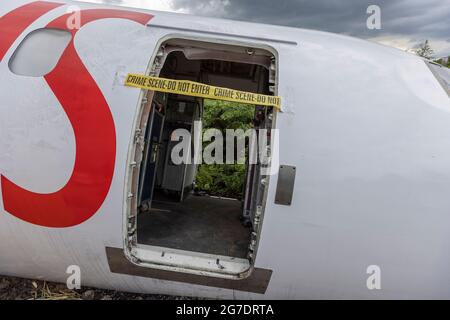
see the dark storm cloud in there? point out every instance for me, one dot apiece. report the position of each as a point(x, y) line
point(405, 22)
point(414, 19)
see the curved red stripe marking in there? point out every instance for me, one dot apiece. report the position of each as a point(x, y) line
point(95, 139)
point(14, 23)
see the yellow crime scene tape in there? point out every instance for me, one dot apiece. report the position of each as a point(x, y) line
point(196, 89)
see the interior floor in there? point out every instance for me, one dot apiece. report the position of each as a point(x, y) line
point(201, 224)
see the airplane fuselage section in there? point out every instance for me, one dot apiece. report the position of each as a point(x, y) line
point(366, 127)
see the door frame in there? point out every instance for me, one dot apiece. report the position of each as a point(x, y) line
point(184, 261)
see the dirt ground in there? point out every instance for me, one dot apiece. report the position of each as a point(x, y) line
point(25, 289)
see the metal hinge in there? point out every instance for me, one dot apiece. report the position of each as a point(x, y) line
point(272, 71)
point(159, 62)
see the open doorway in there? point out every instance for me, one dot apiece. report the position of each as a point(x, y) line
point(195, 215)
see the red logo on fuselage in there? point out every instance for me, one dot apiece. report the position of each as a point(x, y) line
point(89, 115)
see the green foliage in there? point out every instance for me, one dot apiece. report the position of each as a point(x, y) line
point(225, 180)
point(227, 115)
point(444, 61)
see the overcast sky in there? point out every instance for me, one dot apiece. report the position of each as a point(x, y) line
point(404, 23)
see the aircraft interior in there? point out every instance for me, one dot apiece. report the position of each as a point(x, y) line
point(172, 212)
